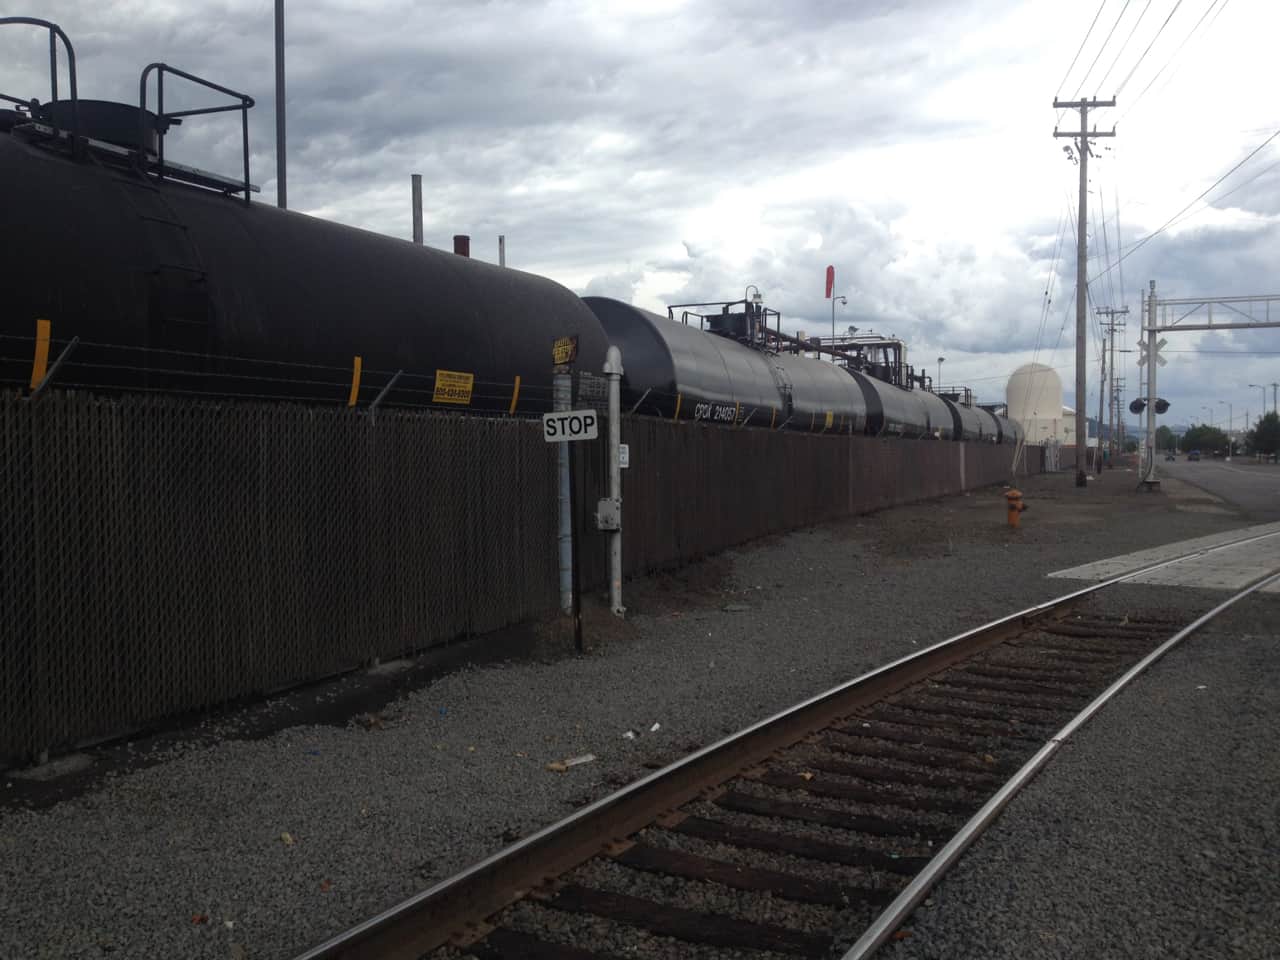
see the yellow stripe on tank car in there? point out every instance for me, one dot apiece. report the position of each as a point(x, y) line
point(356, 366)
point(773, 418)
point(515, 396)
point(679, 398)
point(40, 362)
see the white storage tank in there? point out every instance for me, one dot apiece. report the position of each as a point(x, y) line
point(1034, 399)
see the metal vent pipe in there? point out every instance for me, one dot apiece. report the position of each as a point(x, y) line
point(416, 179)
point(462, 244)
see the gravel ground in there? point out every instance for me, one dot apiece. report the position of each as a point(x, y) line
point(258, 848)
point(1155, 832)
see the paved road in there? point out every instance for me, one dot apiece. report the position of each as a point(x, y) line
point(1253, 488)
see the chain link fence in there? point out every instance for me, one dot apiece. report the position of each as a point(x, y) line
point(695, 489)
point(159, 555)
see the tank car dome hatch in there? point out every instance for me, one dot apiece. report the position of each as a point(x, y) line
point(107, 121)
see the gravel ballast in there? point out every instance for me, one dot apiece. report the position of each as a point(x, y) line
point(260, 848)
point(1155, 831)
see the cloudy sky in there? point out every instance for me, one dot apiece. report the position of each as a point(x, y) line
point(664, 151)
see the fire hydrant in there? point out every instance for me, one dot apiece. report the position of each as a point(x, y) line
point(1014, 500)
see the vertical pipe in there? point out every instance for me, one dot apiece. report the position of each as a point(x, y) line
point(613, 370)
point(502, 250)
point(282, 193)
point(416, 180)
point(561, 398)
point(462, 244)
point(244, 139)
point(53, 66)
point(160, 121)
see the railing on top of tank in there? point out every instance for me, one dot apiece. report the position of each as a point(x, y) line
point(55, 33)
point(163, 119)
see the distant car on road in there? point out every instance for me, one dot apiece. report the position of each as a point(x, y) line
point(1170, 456)
point(1193, 455)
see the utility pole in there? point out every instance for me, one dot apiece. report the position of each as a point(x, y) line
point(1082, 137)
point(1273, 396)
point(1109, 327)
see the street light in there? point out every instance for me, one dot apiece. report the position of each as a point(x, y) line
point(940, 360)
point(843, 301)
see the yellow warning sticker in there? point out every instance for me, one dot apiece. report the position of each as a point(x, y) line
point(453, 387)
point(564, 350)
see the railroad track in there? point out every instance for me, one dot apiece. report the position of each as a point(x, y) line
point(815, 829)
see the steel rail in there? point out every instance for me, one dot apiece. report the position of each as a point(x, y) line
point(915, 892)
point(429, 919)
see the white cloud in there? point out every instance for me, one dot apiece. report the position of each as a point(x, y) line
point(679, 150)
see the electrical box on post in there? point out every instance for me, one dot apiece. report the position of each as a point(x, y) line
point(609, 514)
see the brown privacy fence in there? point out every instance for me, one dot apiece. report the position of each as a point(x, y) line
point(159, 554)
point(693, 489)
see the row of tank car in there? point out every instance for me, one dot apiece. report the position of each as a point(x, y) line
point(166, 277)
point(729, 362)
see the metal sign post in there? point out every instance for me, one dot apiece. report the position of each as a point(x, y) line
point(609, 512)
point(563, 352)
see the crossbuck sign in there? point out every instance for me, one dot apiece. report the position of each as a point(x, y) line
point(1160, 345)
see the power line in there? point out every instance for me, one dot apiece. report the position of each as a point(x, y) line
point(1124, 45)
point(1085, 79)
point(1222, 196)
point(1151, 236)
point(1172, 57)
point(1134, 68)
point(1106, 246)
point(1080, 49)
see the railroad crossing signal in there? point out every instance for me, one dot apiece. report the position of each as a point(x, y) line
point(1160, 345)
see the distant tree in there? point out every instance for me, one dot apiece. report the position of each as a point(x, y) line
point(1265, 437)
point(1165, 439)
point(1131, 446)
point(1204, 438)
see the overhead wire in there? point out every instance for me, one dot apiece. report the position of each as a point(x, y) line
point(1085, 78)
point(1125, 45)
point(1138, 245)
point(1212, 201)
point(1080, 49)
point(1173, 56)
point(1142, 56)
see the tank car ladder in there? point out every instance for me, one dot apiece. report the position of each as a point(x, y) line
point(180, 307)
point(783, 383)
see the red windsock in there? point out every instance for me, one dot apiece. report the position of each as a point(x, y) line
point(831, 281)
